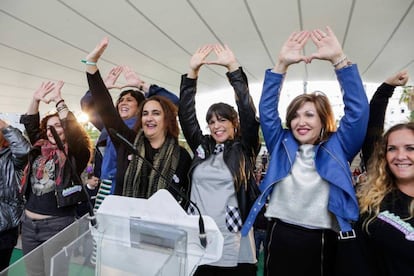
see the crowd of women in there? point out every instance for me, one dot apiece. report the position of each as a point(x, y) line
point(312, 202)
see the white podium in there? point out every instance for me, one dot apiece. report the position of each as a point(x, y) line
point(151, 236)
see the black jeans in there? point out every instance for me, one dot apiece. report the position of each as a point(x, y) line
point(295, 251)
point(8, 240)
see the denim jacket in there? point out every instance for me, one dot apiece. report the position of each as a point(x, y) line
point(332, 157)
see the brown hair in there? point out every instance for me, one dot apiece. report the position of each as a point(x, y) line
point(43, 124)
point(170, 115)
point(323, 108)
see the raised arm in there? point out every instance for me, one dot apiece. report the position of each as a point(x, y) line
point(40, 95)
point(103, 100)
point(56, 97)
point(225, 57)
point(328, 48)
point(352, 127)
point(134, 80)
point(76, 137)
point(290, 53)
point(18, 145)
point(249, 124)
point(377, 108)
point(31, 119)
point(186, 109)
point(197, 60)
point(88, 104)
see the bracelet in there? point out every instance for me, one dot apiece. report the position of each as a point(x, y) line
point(61, 108)
point(61, 101)
point(87, 62)
point(342, 59)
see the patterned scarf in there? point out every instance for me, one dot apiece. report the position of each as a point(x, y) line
point(139, 185)
point(48, 152)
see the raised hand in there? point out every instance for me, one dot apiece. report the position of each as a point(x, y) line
point(3, 124)
point(328, 46)
point(41, 93)
point(198, 59)
point(112, 77)
point(131, 77)
point(98, 51)
point(399, 79)
point(291, 51)
point(56, 94)
point(225, 57)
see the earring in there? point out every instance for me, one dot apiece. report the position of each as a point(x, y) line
point(322, 133)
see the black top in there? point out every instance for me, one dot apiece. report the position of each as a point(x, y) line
point(389, 243)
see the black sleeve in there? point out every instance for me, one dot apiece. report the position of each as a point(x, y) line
point(377, 107)
point(106, 109)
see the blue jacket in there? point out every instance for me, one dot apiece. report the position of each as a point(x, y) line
point(332, 157)
point(109, 162)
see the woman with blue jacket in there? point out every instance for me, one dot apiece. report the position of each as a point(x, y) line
point(308, 179)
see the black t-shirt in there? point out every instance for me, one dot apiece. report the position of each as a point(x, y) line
point(391, 237)
point(42, 199)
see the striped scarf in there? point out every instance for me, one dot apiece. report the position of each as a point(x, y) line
point(139, 185)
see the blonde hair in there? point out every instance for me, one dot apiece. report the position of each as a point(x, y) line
point(380, 180)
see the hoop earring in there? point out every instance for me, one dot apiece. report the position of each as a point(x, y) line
point(322, 133)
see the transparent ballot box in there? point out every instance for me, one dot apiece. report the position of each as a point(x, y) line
point(128, 246)
point(74, 239)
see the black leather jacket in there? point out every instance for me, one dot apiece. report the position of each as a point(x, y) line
point(239, 154)
point(78, 151)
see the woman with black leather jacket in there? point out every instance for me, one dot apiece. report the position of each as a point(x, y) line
point(222, 173)
point(48, 172)
point(13, 157)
